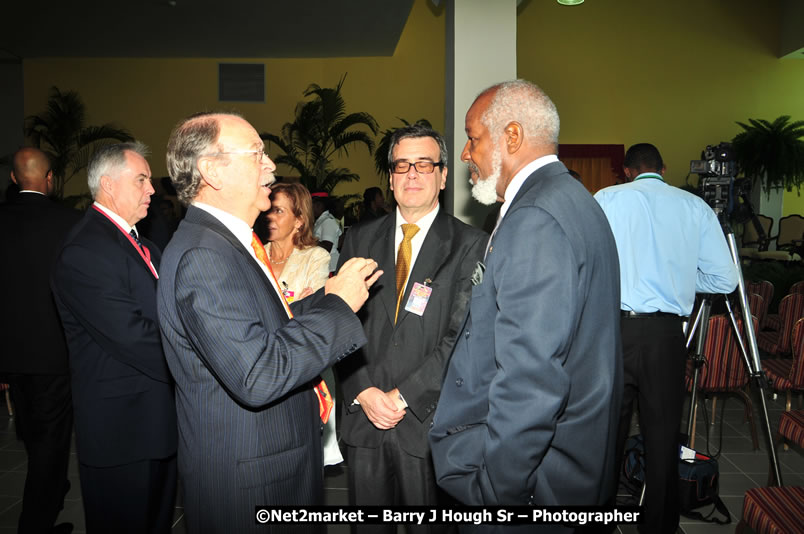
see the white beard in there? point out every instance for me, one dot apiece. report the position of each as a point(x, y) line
point(485, 190)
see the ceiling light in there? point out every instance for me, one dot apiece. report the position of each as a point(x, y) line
point(570, 2)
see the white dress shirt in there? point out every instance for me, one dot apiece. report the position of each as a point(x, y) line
point(424, 225)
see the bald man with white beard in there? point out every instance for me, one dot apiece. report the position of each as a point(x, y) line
point(529, 405)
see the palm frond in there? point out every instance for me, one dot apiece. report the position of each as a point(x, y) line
point(771, 152)
point(321, 129)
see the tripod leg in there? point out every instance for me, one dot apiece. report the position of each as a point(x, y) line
point(700, 325)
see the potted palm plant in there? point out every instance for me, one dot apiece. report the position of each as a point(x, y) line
point(771, 153)
point(322, 129)
point(61, 130)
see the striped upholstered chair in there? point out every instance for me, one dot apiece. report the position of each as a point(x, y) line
point(724, 372)
point(764, 289)
point(791, 430)
point(798, 287)
point(775, 339)
point(787, 374)
point(759, 307)
point(777, 510)
point(791, 427)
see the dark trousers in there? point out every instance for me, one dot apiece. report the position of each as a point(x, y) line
point(132, 498)
point(44, 422)
point(388, 476)
point(654, 358)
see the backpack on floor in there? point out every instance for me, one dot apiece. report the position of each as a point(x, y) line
point(698, 480)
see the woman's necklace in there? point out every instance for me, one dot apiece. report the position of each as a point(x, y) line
point(278, 262)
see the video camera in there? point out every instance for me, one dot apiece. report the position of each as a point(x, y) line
point(717, 171)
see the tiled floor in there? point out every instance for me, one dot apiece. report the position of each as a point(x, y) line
point(740, 468)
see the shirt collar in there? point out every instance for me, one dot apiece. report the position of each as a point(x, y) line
point(31, 191)
point(116, 218)
point(236, 225)
point(519, 178)
point(424, 223)
point(655, 175)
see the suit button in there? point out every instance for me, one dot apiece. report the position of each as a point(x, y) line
point(459, 382)
point(431, 424)
point(466, 334)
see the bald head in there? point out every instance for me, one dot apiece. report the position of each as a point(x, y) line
point(31, 170)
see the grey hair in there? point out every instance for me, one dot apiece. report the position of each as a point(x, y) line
point(523, 102)
point(191, 138)
point(108, 159)
point(415, 131)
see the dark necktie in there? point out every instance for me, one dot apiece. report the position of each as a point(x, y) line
point(136, 239)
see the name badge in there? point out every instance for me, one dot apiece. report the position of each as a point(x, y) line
point(419, 296)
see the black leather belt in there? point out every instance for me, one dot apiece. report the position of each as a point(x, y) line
point(634, 315)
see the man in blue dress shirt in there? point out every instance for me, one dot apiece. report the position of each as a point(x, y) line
point(671, 246)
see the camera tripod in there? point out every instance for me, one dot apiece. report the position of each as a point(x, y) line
point(700, 324)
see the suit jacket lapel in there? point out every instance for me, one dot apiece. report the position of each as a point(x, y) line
point(198, 216)
point(125, 244)
point(382, 250)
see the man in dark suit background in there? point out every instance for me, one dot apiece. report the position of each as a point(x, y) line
point(104, 282)
point(245, 362)
point(391, 386)
point(34, 354)
point(530, 402)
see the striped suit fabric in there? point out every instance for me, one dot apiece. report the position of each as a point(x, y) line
point(249, 432)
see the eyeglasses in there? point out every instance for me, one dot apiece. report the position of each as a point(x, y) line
point(422, 167)
point(258, 154)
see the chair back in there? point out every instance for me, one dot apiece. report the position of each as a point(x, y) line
point(758, 305)
point(751, 237)
point(797, 368)
point(791, 309)
point(764, 289)
point(791, 231)
point(798, 287)
point(724, 369)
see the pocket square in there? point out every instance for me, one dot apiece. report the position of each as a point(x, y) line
point(477, 274)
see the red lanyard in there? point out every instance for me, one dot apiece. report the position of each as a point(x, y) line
point(145, 254)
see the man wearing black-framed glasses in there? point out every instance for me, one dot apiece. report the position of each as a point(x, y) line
point(391, 387)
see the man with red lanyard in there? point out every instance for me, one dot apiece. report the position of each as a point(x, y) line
point(104, 282)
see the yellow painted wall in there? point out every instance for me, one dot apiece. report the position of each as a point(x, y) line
point(676, 74)
point(149, 96)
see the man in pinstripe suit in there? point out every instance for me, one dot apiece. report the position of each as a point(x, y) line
point(249, 425)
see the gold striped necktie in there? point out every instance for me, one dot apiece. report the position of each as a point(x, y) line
point(403, 263)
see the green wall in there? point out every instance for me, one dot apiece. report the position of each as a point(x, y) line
point(675, 74)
